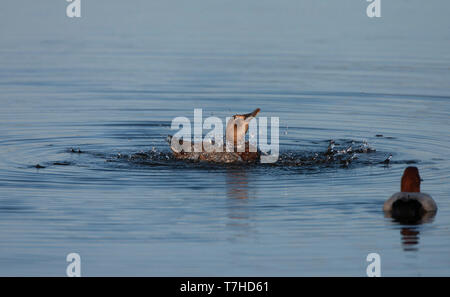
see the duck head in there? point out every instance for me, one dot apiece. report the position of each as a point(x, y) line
point(237, 127)
point(410, 180)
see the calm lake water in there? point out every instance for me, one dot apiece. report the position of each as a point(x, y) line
point(110, 83)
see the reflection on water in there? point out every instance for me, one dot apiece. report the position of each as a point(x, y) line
point(237, 183)
point(410, 238)
point(239, 213)
point(410, 231)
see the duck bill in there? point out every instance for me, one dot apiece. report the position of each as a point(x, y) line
point(252, 114)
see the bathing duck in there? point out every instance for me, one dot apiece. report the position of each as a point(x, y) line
point(410, 204)
point(235, 149)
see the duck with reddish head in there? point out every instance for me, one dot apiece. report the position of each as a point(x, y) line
point(410, 205)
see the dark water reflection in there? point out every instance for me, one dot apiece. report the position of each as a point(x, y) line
point(239, 208)
point(237, 183)
point(410, 239)
point(410, 230)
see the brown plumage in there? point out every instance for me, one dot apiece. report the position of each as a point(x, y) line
point(410, 180)
point(237, 128)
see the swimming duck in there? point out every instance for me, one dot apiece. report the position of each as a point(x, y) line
point(236, 149)
point(410, 204)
